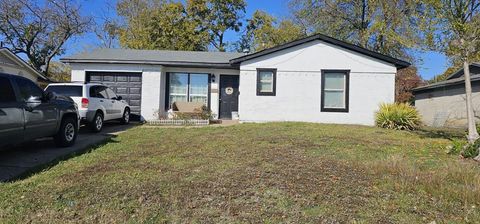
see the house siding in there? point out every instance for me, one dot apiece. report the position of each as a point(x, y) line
point(153, 83)
point(9, 66)
point(298, 87)
point(445, 106)
point(298, 84)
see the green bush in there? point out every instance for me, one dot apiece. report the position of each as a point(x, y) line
point(471, 150)
point(456, 147)
point(463, 148)
point(398, 116)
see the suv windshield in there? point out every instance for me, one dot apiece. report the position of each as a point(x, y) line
point(66, 90)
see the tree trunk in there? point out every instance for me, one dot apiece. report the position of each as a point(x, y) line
point(472, 130)
point(220, 44)
point(477, 158)
point(364, 25)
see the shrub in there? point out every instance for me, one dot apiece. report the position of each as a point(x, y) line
point(456, 147)
point(463, 148)
point(471, 150)
point(398, 116)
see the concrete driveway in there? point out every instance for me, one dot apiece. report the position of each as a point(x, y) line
point(30, 157)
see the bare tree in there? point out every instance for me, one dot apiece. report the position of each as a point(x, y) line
point(107, 28)
point(107, 33)
point(40, 29)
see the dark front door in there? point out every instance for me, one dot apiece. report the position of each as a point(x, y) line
point(128, 85)
point(228, 95)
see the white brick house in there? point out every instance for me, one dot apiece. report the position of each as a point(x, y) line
point(315, 79)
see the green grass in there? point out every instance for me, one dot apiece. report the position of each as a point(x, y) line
point(267, 173)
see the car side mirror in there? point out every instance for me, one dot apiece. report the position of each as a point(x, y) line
point(47, 96)
point(119, 98)
point(32, 102)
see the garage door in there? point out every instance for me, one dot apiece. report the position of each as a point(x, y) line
point(127, 85)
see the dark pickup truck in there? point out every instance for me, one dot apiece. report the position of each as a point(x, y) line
point(28, 113)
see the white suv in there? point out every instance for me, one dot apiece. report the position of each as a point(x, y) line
point(96, 103)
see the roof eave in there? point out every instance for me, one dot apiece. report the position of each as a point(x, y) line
point(439, 85)
point(163, 63)
point(461, 69)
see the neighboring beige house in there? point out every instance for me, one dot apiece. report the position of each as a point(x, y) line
point(442, 104)
point(12, 64)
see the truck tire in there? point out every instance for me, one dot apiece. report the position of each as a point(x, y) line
point(67, 133)
point(97, 123)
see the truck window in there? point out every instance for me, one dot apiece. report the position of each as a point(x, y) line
point(6, 91)
point(28, 89)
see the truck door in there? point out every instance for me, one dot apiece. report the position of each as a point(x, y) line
point(40, 116)
point(11, 114)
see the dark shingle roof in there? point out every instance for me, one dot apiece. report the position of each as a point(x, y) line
point(454, 79)
point(210, 59)
point(474, 68)
point(162, 57)
point(449, 82)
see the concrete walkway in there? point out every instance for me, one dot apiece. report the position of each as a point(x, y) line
point(22, 160)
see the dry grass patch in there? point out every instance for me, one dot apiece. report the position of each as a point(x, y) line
point(277, 172)
point(457, 182)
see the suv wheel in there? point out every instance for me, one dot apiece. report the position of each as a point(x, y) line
point(97, 123)
point(67, 134)
point(126, 117)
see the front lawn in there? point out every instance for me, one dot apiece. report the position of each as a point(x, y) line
point(277, 172)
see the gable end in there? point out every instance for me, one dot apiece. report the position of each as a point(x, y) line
point(397, 62)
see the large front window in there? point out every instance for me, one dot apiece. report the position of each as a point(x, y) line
point(188, 87)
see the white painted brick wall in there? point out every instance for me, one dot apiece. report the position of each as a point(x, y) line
point(151, 94)
point(298, 92)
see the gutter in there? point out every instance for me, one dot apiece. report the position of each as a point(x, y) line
point(148, 62)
